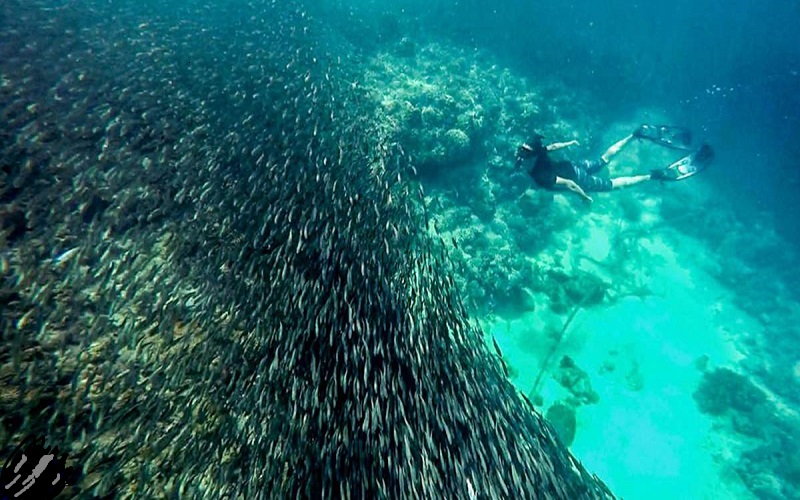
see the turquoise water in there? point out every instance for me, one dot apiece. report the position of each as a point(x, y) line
point(272, 250)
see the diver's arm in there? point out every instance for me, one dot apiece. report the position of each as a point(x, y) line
point(559, 145)
point(573, 186)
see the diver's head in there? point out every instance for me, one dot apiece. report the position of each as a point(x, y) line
point(535, 142)
point(531, 148)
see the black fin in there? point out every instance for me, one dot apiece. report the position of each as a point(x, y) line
point(687, 166)
point(666, 135)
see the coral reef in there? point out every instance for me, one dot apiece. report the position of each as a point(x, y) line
point(460, 118)
point(722, 389)
point(769, 467)
point(537, 218)
point(579, 288)
point(562, 417)
point(449, 108)
point(576, 381)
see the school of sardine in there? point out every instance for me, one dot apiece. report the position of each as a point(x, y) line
point(216, 279)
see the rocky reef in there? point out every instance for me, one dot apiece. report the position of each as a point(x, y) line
point(450, 108)
point(768, 463)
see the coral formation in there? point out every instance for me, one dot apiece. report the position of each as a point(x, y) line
point(449, 108)
point(562, 417)
point(722, 389)
point(576, 381)
point(770, 468)
point(580, 288)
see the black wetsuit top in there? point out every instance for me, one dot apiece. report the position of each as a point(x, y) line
point(545, 171)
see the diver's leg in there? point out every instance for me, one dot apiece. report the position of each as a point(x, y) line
point(621, 182)
point(593, 166)
point(592, 183)
point(615, 148)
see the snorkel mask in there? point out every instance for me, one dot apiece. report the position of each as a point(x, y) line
point(530, 149)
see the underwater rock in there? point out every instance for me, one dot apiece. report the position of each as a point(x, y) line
point(431, 116)
point(607, 366)
point(770, 469)
point(474, 123)
point(540, 215)
point(482, 200)
point(773, 467)
point(576, 381)
point(456, 145)
point(578, 289)
point(722, 389)
point(546, 209)
point(630, 207)
point(530, 237)
point(701, 363)
point(562, 417)
point(514, 300)
point(754, 423)
point(765, 486)
point(500, 280)
point(443, 89)
point(634, 379)
point(582, 288)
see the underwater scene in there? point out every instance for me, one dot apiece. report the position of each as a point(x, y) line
point(412, 249)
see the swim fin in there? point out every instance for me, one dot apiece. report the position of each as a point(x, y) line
point(666, 135)
point(686, 166)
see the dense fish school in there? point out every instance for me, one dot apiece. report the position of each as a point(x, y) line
point(216, 277)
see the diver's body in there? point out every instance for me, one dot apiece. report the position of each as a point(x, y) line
point(577, 177)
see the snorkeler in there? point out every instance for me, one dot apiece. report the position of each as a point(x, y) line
point(580, 178)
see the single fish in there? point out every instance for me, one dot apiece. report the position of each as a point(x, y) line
point(65, 256)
